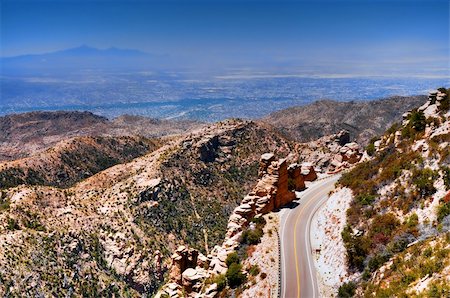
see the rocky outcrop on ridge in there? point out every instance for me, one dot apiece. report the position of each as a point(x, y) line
point(331, 153)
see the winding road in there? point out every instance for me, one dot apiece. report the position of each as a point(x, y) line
point(298, 273)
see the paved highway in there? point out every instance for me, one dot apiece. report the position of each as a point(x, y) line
point(298, 273)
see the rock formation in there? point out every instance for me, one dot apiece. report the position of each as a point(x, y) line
point(274, 189)
point(330, 154)
point(182, 259)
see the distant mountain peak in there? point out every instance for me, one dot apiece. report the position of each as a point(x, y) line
point(89, 50)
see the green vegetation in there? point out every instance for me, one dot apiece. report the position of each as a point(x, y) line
point(234, 275)
point(443, 211)
point(12, 224)
point(254, 270)
point(386, 231)
point(347, 290)
point(445, 103)
point(365, 177)
point(370, 149)
point(232, 258)
point(253, 236)
point(32, 221)
point(417, 123)
point(365, 199)
point(221, 281)
point(356, 247)
point(446, 172)
point(4, 203)
point(416, 262)
point(423, 179)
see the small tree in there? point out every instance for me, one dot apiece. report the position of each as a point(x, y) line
point(232, 258)
point(235, 276)
point(347, 290)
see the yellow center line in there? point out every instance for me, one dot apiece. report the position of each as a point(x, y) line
point(295, 242)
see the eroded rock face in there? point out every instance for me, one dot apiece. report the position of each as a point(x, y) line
point(182, 259)
point(207, 148)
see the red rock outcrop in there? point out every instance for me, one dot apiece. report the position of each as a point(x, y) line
point(296, 180)
point(182, 259)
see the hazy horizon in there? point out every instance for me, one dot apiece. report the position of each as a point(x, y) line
point(347, 38)
point(217, 59)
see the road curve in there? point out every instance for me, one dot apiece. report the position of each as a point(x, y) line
point(298, 273)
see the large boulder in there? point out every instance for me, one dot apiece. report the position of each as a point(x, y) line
point(193, 279)
point(296, 179)
point(308, 172)
point(182, 259)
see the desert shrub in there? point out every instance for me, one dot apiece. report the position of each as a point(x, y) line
point(234, 275)
point(259, 221)
point(263, 275)
point(377, 261)
point(232, 258)
point(384, 224)
point(347, 290)
point(445, 103)
point(12, 224)
point(254, 270)
point(357, 248)
point(365, 177)
point(370, 149)
point(4, 204)
point(443, 211)
point(365, 199)
point(446, 172)
point(417, 120)
point(428, 252)
point(394, 127)
point(424, 180)
point(32, 221)
point(221, 281)
point(360, 179)
point(251, 237)
point(412, 221)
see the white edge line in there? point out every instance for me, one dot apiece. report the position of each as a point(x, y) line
point(303, 193)
point(308, 240)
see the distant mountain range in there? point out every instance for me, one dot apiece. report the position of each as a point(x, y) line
point(363, 119)
point(81, 57)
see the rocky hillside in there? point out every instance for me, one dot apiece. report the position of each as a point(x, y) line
point(398, 223)
point(363, 119)
point(73, 160)
point(22, 135)
point(113, 233)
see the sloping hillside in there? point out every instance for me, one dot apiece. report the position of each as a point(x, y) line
point(115, 231)
point(363, 119)
point(22, 135)
point(73, 160)
point(398, 223)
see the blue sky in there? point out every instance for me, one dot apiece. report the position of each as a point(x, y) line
point(398, 38)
